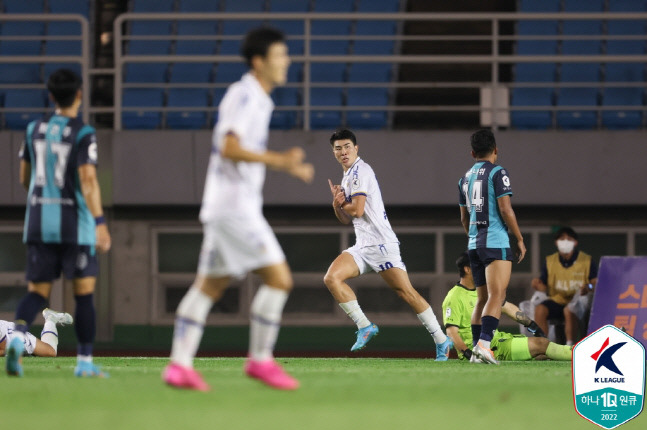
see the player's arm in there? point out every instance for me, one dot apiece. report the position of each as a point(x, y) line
point(25, 174)
point(354, 208)
point(290, 161)
point(339, 198)
point(452, 332)
point(465, 219)
point(538, 284)
point(505, 209)
point(92, 194)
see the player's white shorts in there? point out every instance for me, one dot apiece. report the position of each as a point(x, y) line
point(6, 332)
point(377, 257)
point(234, 246)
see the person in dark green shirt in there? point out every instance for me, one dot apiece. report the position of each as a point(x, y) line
point(457, 311)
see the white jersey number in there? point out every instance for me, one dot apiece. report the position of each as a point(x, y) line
point(476, 198)
point(61, 151)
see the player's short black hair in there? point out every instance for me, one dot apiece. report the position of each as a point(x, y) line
point(567, 231)
point(63, 85)
point(258, 42)
point(462, 262)
point(483, 143)
point(343, 134)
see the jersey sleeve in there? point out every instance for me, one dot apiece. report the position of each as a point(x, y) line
point(453, 310)
point(501, 183)
point(234, 111)
point(461, 194)
point(362, 182)
point(87, 147)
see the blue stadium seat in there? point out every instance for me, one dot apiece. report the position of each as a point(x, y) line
point(230, 72)
point(243, 5)
point(327, 119)
point(370, 72)
point(191, 72)
point(23, 98)
point(622, 119)
point(21, 47)
point(187, 97)
point(196, 47)
point(582, 27)
point(63, 47)
point(333, 6)
point(289, 6)
point(539, 5)
point(624, 72)
point(375, 28)
point(218, 94)
point(289, 27)
point(537, 47)
point(150, 47)
point(628, 6)
point(199, 6)
point(49, 68)
point(329, 27)
point(295, 72)
point(70, 6)
point(202, 27)
point(144, 98)
point(229, 47)
point(64, 28)
point(22, 6)
point(145, 72)
point(329, 47)
point(583, 5)
point(152, 5)
point(239, 27)
point(537, 27)
point(531, 97)
point(20, 73)
point(580, 72)
point(535, 72)
point(367, 119)
point(284, 119)
point(327, 72)
point(577, 119)
point(386, 6)
point(373, 47)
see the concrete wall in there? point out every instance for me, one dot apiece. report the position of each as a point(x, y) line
point(546, 168)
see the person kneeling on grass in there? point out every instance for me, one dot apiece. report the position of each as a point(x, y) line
point(47, 345)
point(457, 310)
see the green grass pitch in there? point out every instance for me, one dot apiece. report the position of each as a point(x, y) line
point(342, 393)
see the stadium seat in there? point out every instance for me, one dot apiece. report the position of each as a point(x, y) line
point(622, 119)
point(535, 72)
point(239, 27)
point(199, 6)
point(191, 72)
point(70, 6)
point(327, 72)
point(143, 98)
point(329, 47)
point(21, 47)
point(22, 6)
point(49, 68)
point(531, 97)
point(23, 98)
point(333, 6)
point(152, 5)
point(624, 72)
point(150, 47)
point(289, 27)
point(328, 119)
point(243, 5)
point(146, 72)
point(583, 5)
point(577, 119)
point(539, 5)
point(385, 6)
point(289, 6)
point(284, 119)
point(17, 73)
point(295, 72)
point(367, 119)
point(230, 72)
point(370, 72)
point(187, 97)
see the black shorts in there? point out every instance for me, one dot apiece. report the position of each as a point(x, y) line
point(480, 258)
point(555, 310)
point(46, 261)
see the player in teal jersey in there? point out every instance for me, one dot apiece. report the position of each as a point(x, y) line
point(457, 310)
point(64, 221)
point(486, 215)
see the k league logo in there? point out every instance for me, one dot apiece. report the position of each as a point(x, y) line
point(609, 377)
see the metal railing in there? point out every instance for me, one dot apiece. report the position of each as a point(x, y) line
point(84, 59)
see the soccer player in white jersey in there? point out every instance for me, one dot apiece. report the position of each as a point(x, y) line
point(47, 345)
point(237, 238)
point(358, 200)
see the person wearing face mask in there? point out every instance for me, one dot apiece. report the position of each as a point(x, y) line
point(567, 278)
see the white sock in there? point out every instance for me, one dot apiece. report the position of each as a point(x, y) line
point(355, 313)
point(49, 335)
point(569, 343)
point(428, 319)
point(265, 314)
point(190, 318)
point(86, 358)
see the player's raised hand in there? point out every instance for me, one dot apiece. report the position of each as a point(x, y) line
point(334, 189)
point(303, 171)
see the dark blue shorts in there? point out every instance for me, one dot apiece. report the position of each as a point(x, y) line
point(46, 261)
point(555, 310)
point(480, 258)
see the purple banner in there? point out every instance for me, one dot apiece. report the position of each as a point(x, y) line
point(621, 296)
